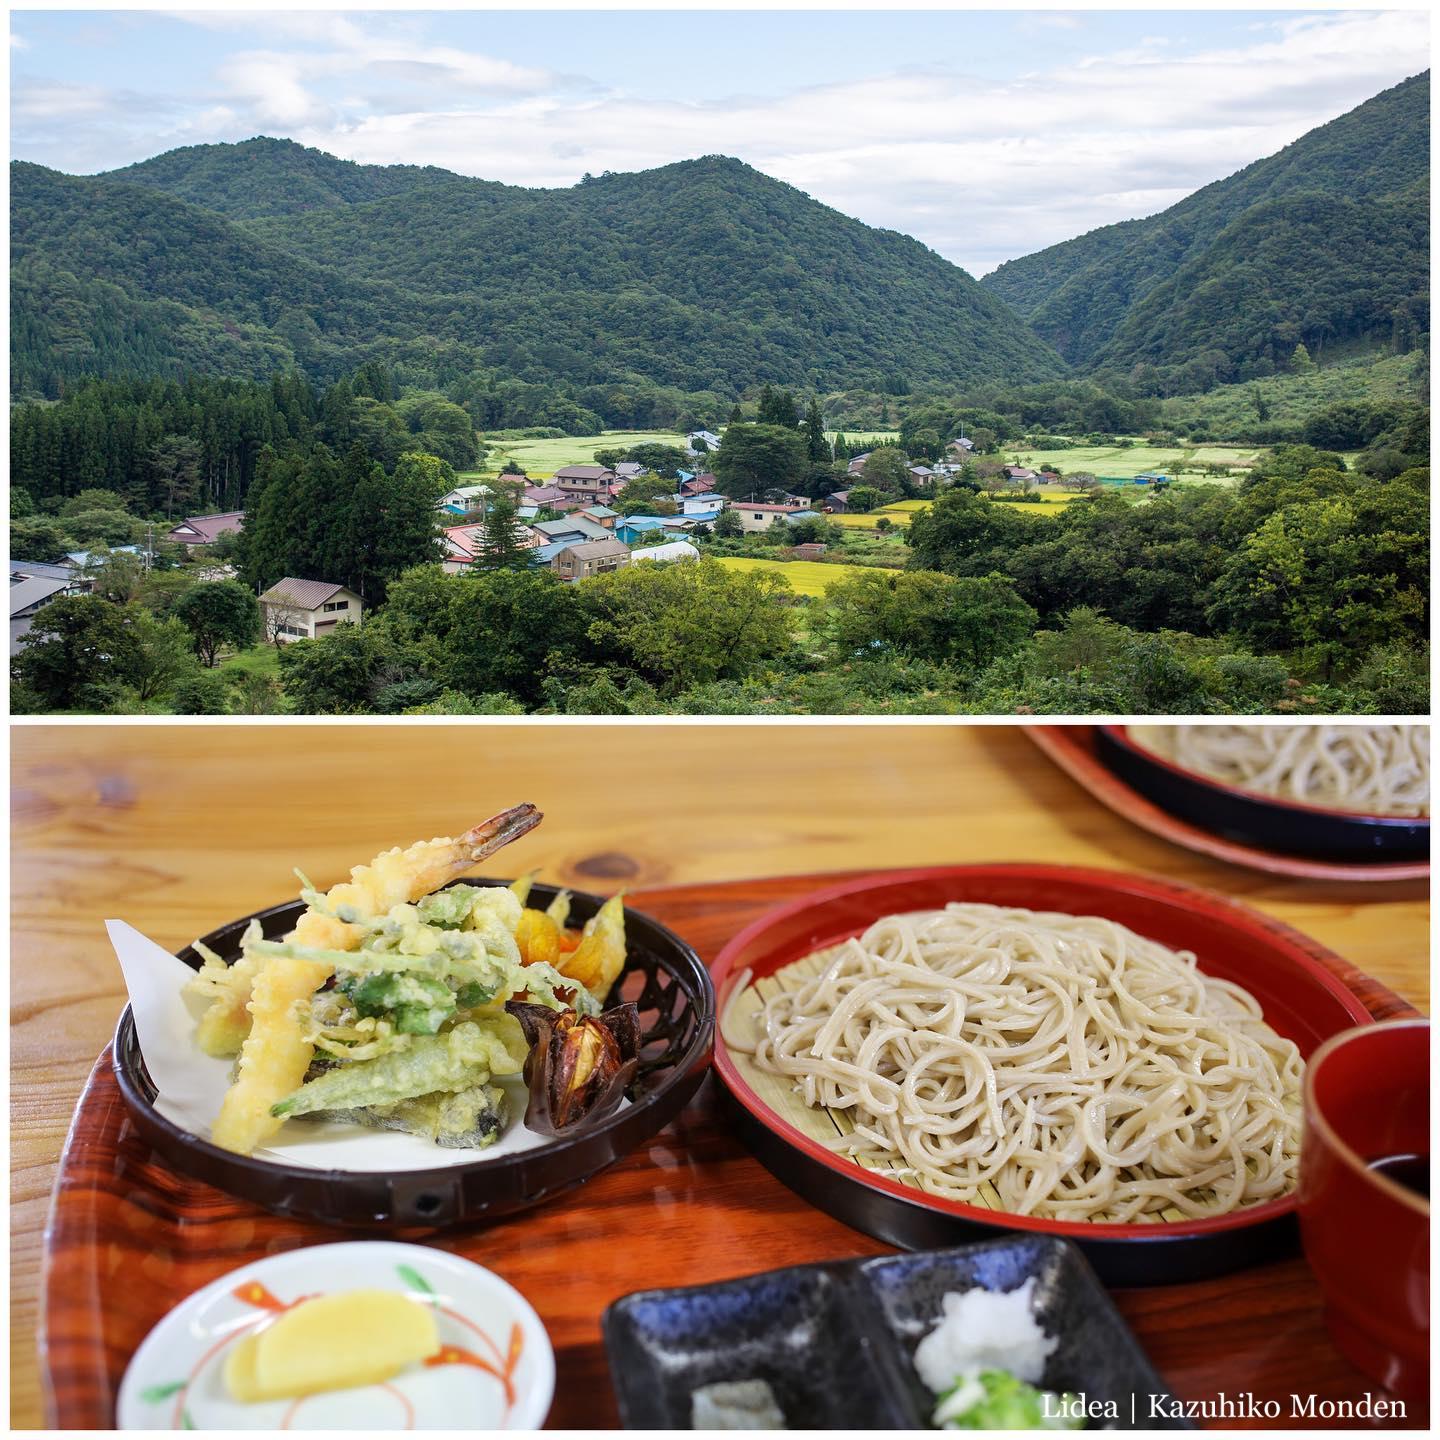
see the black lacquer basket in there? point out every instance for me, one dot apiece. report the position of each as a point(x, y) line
point(1282, 826)
point(663, 976)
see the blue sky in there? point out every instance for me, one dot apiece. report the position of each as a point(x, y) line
point(986, 135)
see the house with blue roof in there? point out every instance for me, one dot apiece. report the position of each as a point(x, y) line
point(82, 559)
point(630, 528)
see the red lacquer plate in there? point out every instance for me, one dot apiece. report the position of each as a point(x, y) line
point(1074, 748)
point(1294, 979)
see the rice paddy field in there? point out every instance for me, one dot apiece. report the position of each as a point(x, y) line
point(806, 577)
point(542, 458)
point(899, 514)
point(1181, 462)
point(1051, 503)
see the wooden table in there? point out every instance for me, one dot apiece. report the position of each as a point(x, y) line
point(174, 827)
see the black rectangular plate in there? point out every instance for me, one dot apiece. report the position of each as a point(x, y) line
point(836, 1341)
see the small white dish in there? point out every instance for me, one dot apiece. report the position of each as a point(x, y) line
point(495, 1369)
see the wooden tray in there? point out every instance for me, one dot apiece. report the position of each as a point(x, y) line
point(1072, 748)
point(128, 1238)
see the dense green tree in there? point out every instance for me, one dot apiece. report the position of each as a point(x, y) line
point(816, 443)
point(201, 692)
point(349, 523)
point(683, 625)
point(92, 499)
point(502, 538)
point(924, 444)
point(861, 499)
point(1329, 580)
point(663, 460)
point(174, 463)
point(808, 530)
point(926, 615)
point(777, 407)
point(163, 654)
point(124, 578)
point(963, 534)
point(219, 613)
point(643, 492)
point(284, 532)
point(887, 470)
point(343, 673)
point(1090, 665)
point(39, 538)
point(754, 459)
point(384, 525)
point(440, 427)
point(727, 525)
point(78, 652)
point(496, 632)
point(102, 527)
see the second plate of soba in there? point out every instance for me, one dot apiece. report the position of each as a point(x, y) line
point(1349, 793)
point(1117, 1059)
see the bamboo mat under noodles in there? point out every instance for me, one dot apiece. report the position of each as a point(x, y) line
point(821, 1123)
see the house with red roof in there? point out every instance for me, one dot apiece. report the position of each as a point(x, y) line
point(206, 529)
point(760, 515)
point(307, 609)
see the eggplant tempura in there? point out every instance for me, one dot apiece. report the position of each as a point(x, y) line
point(385, 1005)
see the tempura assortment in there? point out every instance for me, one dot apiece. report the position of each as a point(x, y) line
point(399, 998)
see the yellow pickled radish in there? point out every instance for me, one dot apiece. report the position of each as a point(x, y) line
point(334, 1342)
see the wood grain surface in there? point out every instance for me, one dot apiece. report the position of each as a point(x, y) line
point(175, 828)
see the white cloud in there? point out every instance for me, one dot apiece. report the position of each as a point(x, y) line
point(384, 59)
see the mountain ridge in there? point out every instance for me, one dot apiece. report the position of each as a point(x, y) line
point(705, 276)
point(1079, 294)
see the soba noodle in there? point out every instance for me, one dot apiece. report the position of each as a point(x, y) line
point(1077, 1069)
point(1371, 769)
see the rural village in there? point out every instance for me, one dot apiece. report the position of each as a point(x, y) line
point(566, 523)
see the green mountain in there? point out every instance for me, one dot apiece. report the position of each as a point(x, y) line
point(271, 177)
point(1325, 242)
point(702, 277)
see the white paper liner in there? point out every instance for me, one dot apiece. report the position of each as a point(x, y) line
point(190, 1084)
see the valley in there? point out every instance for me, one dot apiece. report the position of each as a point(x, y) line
point(686, 440)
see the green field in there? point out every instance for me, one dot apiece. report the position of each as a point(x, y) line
point(542, 458)
point(262, 659)
point(806, 577)
point(1111, 461)
point(1289, 400)
point(872, 438)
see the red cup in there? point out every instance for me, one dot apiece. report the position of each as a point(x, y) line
point(1366, 1235)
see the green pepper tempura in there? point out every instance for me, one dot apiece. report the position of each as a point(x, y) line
point(412, 1029)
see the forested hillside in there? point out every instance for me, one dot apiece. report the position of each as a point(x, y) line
point(701, 278)
point(1325, 243)
point(272, 177)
